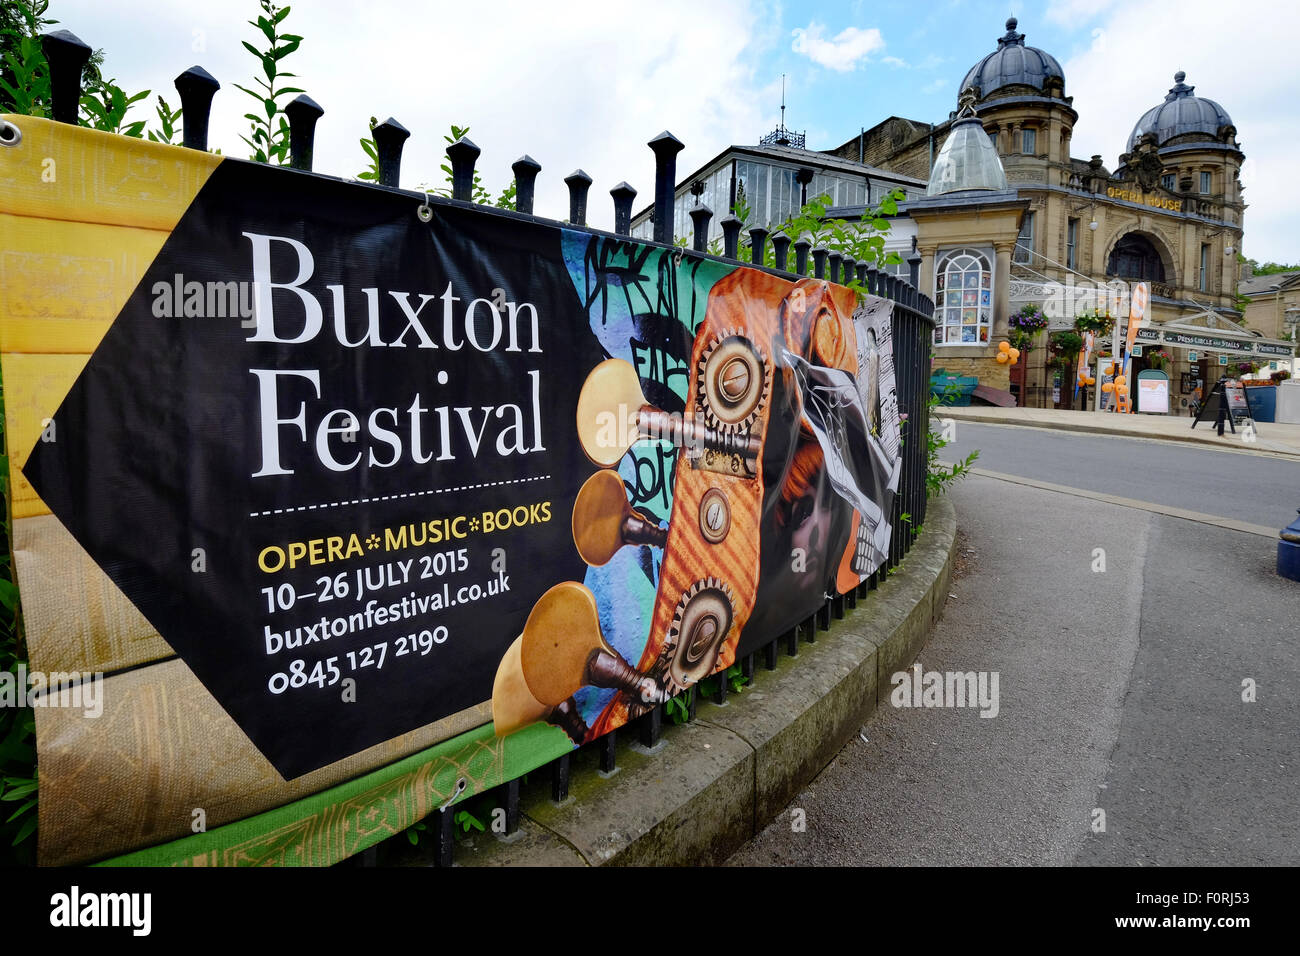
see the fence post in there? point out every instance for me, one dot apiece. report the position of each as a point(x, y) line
point(66, 56)
point(833, 262)
point(849, 270)
point(819, 262)
point(730, 236)
point(463, 154)
point(757, 244)
point(801, 248)
point(526, 169)
point(389, 137)
point(914, 268)
point(197, 87)
point(666, 146)
point(781, 247)
point(623, 196)
point(303, 112)
point(700, 216)
point(578, 182)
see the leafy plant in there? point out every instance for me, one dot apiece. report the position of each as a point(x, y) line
point(167, 118)
point(106, 105)
point(938, 476)
point(18, 775)
point(368, 147)
point(480, 195)
point(24, 74)
point(269, 135)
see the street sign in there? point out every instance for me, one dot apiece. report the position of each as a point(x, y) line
point(1191, 356)
point(1223, 360)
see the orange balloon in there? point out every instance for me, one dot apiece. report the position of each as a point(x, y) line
point(1121, 389)
point(1092, 381)
point(1001, 357)
point(1108, 386)
point(1004, 346)
point(1014, 353)
point(1110, 369)
point(1120, 380)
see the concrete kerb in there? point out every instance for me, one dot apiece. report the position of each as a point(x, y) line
point(719, 779)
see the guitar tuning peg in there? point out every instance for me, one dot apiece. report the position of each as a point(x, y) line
point(613, 415)
point(604, 521)
point(561, 650)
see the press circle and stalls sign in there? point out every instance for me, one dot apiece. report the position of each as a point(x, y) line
point(364, 472)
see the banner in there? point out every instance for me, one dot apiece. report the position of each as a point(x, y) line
point(365, 469)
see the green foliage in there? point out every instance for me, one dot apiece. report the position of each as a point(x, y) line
point(167, 118)
point(371, 173)
point(864, 242)
point(105, 105)
point(1066, 345)
point(18, 779)
point(269, 132)
point(504, 200)
point(1267, 268)
point(24, 76)
point(939, 477)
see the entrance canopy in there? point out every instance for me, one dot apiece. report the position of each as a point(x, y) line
point(1208, 332)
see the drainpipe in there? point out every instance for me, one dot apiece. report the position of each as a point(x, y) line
point(861, 132)
point(931, 147)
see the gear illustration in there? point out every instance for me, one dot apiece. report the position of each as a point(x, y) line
point(732, 382)
point(695, 637)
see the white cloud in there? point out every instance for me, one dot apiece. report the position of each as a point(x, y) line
point(585, 86)
point(1075, 13)
point(893, 61)
point(841, 53)
point(1126, 71)
point(936, 85)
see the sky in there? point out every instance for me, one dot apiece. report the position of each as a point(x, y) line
point(586, 83)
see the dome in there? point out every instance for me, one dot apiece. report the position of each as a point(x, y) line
point(1012, 63)
point(1181, 113)
point(967, 160)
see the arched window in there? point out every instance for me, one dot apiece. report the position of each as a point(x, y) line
point(963, 296)
point(1134, 257)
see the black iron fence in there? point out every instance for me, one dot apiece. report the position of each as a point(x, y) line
point(912, 328)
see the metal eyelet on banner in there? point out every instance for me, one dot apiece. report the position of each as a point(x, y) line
point(424, 211)
point(462, 783)
point(10, 135)
point(678, 254)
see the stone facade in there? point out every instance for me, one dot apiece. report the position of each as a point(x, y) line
point(1170, 214)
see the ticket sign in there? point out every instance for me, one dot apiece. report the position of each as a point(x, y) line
point(1153, 392)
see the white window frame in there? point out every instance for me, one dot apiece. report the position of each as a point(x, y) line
point(968, 257)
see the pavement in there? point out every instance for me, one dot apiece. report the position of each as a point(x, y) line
point(1268, 437)
point(1146, 703)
